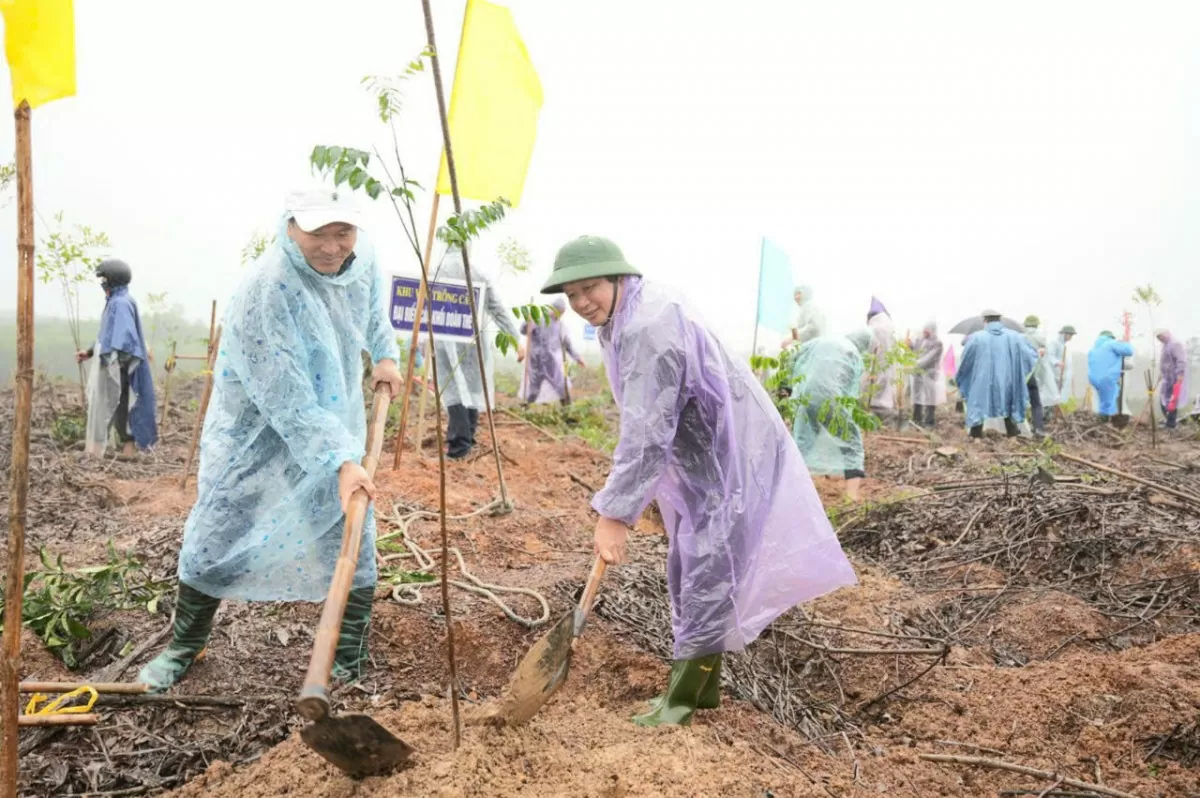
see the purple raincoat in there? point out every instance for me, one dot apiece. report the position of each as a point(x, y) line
point(748, 537)
point(1173, 369)
point(546, 380)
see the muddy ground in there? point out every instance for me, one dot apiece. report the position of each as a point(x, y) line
point(1013, 606)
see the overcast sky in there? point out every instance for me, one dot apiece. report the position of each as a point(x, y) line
point(1037, 157)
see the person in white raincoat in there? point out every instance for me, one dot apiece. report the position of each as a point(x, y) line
point(929, 383)
point(1060, 363)
point(284, 434)
point(1043, 388)
point(880, 386)
point(809, 321)
point(458, 363)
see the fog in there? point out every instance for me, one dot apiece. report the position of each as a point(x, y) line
point(944, 156)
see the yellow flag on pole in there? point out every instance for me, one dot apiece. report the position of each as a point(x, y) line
point(493, 108)
point(39, 40)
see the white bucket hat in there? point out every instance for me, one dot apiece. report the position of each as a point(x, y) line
point(314, 208)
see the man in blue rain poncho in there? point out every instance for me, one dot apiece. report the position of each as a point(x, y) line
point(549, 344)
point(286, 429)
point(747, 537)
point(458, 362)
point(120, 387)
point(1060, 363)
point(993, 375)
point(827, 369)
point(1106, 361)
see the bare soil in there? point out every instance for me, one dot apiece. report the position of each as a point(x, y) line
point(1076, 649)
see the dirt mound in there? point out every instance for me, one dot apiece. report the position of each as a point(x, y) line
point(1042, 625)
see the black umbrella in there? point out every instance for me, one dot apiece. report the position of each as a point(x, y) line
point(974, 324)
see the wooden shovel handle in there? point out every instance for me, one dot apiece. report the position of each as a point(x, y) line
point(314, 696)
point(593, 585)
point(112, 688)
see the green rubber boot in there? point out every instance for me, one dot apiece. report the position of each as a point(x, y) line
point(710, 696)
point(194, 613)
point(689, 680)
point(350, 659)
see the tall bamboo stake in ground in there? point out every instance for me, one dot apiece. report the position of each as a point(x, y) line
point(200, 413)
point(10, 658)
point(449, 150)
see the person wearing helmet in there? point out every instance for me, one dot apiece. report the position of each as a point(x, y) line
point(121, 386)
point(747, 536)
point(285, 432)
point(547, 350)
point(1043, 387)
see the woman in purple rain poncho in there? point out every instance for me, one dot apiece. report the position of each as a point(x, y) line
point(748, 538)
point(1173, 372)
point(549, 344)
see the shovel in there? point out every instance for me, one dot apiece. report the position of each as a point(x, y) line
point(354, 743)
point(545, 667)
point(1121, 420)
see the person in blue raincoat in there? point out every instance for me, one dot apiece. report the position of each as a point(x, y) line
point(121, 386)
point(993, 375)
point(1105, 363)
point(284, 434)
point(747, 536)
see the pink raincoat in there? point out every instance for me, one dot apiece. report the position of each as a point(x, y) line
point(748, 537)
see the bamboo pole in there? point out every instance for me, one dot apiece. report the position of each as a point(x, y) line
point(412, 346)
point(73, 719)
point(111, 688)
point(977, 761)
point(1187, 497)
point(212, 329)
point(453, 174)
point(200, 413)
point(10, 651)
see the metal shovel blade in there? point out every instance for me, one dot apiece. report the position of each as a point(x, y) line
point(1121, 421)
point(540, 674)
point(356, 744)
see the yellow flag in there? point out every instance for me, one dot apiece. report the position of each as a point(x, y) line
point(493, 108)
point(39, 39)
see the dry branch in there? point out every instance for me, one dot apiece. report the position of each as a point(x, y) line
point(978, 761)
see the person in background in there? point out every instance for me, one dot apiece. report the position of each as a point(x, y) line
point(1193, 351)
point(1106, 361)
point(1043, 387)
point(286, 429)
point(929, 384)
point(827, 369)
point(809, 320)
point(1060, 362)
point(458, 362)
point(121, 386)
point(879, 379)
point(547, 349)
point(992, 374)
point(1173, 372)
point(747, 537)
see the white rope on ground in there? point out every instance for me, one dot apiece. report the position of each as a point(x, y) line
point(410, 594)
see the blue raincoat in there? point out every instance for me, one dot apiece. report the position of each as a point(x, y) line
point(121, 332)
point(286, 412)
point(993, 374)
point(1104, 371)
point(747, 536)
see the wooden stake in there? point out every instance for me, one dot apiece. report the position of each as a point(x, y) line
point(10, 651)
point(111, 688)
point(1187, 497)
point(412, 346)
point(475, 317)
point(212, 329)
point(199, 426)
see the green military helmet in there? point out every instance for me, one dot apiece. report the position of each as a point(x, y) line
point(587, 258)
point(1033, 321)
point(1067, 330)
